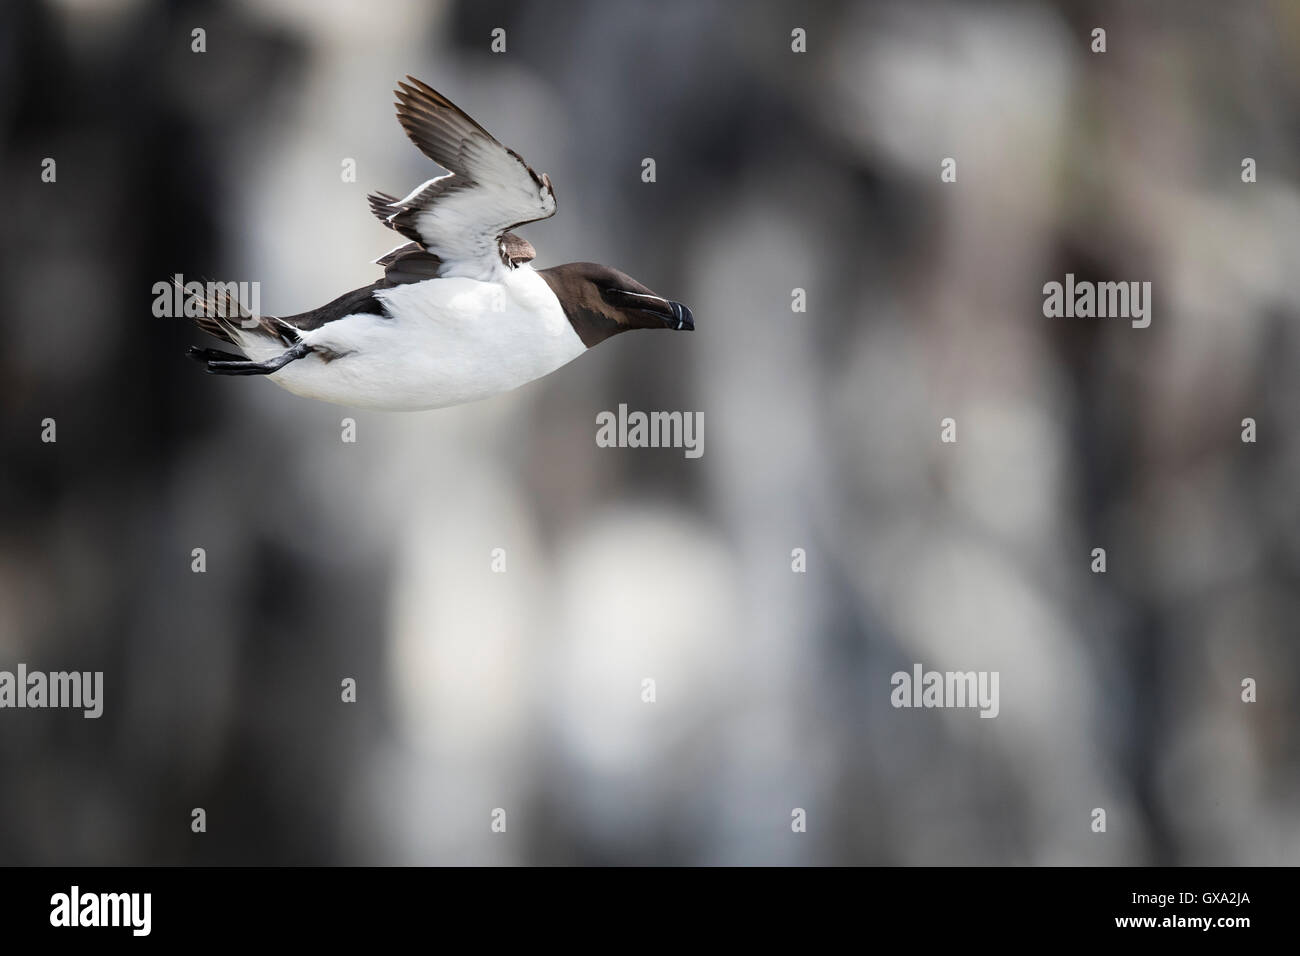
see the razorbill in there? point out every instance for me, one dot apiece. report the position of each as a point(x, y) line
point(460, 314)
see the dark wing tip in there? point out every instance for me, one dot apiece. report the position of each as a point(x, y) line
point(419, 98)
point(381, 203)
point(418, 89)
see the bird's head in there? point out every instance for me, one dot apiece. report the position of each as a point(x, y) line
point(601, 302)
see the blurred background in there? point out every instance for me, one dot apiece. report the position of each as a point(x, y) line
point(522, 690)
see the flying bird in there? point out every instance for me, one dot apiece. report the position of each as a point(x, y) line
point(460, 314)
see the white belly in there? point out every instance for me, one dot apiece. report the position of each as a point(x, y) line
point(448, 341)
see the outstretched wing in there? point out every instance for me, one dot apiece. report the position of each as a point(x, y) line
point(463, 218)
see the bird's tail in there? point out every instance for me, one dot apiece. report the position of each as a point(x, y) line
point(217, 311)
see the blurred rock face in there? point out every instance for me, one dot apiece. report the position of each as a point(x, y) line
point(567, 653)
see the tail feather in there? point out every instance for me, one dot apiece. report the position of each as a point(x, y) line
point(218, 311)
point(222, 315)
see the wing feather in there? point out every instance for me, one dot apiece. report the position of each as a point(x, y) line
point(463, 217)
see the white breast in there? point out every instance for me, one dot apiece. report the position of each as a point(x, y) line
point(447, 341)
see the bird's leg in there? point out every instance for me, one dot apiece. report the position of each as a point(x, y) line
point(229, 364)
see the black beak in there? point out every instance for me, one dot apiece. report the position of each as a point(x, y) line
point(685, 321)
point(673, 315)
